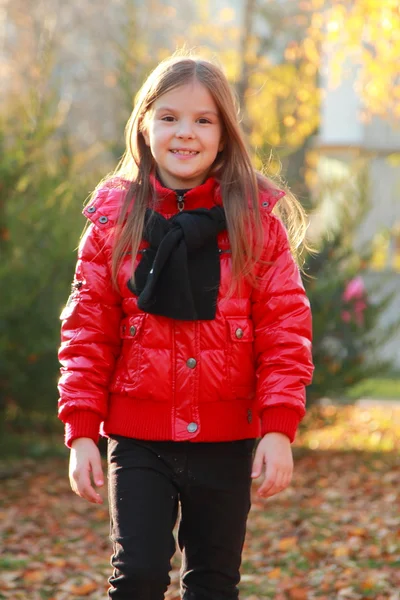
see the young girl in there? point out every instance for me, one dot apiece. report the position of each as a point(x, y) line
point(187, 336)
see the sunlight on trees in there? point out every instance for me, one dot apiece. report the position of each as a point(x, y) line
point(285, 55)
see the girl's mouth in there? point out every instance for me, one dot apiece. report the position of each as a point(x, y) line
point(184, 152)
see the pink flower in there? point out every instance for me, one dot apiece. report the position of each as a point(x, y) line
point(354, 289)
point(360, 306)
point(346, 316)
point(355, 293)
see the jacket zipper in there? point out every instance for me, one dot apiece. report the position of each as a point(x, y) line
point(181, 202)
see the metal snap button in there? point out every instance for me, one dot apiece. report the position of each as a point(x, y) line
point(191, 363)
point(239, 333)
point(265, 203)
point(91, 209)
point(192, 427)
point(132, 330)
point(103, 219)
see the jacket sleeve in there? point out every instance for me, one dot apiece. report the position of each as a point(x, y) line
point(282, 337)
point(90, 342)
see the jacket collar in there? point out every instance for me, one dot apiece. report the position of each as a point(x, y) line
point(205, 195)
point(104, 207)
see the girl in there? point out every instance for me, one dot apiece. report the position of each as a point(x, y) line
point(187, 336)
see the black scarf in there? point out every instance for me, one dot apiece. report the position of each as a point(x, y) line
point(179, 274)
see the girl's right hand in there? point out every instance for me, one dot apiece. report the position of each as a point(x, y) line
point(85, 459)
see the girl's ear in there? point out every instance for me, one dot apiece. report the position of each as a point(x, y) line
point(146, 137)
point(221, 145)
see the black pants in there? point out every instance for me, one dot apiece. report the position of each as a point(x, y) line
point(147, 481)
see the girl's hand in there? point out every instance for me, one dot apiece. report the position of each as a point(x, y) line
point(275, 451)
point(85, 459)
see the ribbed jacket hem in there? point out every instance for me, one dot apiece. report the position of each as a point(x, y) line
point(82, 423)
point(215, 421)
point(280, 419)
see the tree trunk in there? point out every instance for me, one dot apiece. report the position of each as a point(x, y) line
point(243, 83)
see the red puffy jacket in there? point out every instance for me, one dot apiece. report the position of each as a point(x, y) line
point(135, 374)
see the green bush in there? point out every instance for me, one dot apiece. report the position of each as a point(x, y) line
point(40, 224)
point(347, 316)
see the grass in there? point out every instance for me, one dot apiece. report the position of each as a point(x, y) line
point(386, 388)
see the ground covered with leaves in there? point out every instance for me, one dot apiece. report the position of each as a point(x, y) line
point(334, 533)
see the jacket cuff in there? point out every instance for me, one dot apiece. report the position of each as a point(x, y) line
point(83, 423)
point(280, 419)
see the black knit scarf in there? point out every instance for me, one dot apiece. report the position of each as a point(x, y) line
point(179, 274)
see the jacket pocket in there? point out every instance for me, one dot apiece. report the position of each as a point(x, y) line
point(127, 368)
point(240, 357)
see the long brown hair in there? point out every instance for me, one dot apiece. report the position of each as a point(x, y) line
point(239, 182)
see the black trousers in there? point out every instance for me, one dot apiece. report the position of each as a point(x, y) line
point(147, 482)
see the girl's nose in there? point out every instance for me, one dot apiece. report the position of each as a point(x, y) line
point(185, 130)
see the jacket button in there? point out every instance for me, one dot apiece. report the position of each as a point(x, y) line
point(192, 427)
point(239, 333)
point(91, 209)
point(103, 219)
point(132, 330)
point(191, 363)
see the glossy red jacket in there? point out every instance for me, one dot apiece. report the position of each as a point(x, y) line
point(131, 373)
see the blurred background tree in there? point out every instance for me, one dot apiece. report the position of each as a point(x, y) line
point(38, 226)
point(42, 185)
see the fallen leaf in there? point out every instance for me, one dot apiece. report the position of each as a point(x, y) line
point(298, 594)
point(274, 574)
point(287, 543)
point(34, 575)
point(341, 551)
point(84, 589)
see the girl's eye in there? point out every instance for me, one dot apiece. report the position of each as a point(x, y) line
point(170, 119)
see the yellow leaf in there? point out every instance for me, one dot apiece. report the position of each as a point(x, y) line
point(274, 574)
point(368, 583)
point(33, 576)
point(358, 531)
point(287, 543)
point(289, 121)
point(56, 561)
point(84, 589)
point(341, 551)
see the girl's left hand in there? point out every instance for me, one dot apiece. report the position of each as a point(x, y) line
point(276, 452)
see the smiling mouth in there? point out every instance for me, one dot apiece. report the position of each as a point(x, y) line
point(185, 152)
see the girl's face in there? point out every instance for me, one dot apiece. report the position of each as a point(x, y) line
point(184, 133)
